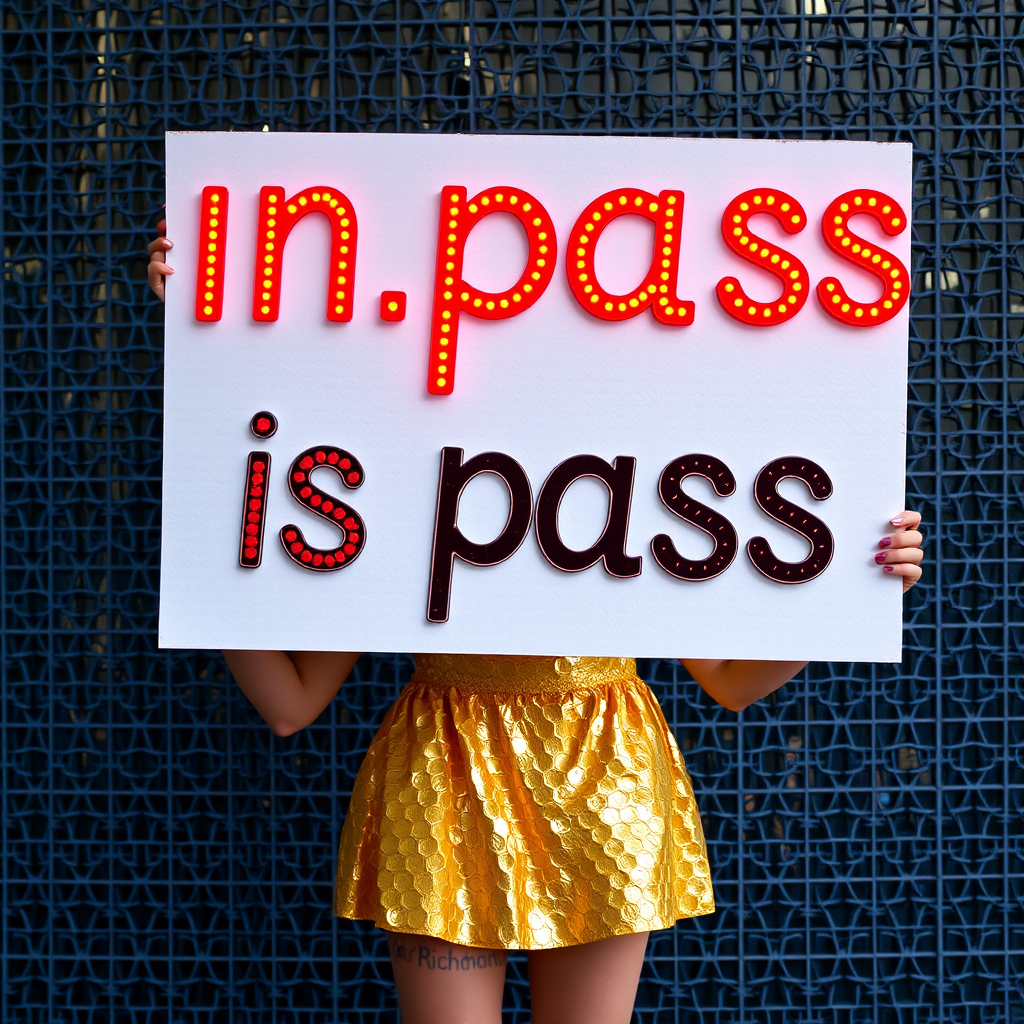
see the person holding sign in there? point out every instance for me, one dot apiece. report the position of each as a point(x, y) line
point(511, 802)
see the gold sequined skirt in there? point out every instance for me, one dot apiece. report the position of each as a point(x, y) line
point(523, 803)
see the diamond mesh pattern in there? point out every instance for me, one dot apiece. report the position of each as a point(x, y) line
point(166, 859)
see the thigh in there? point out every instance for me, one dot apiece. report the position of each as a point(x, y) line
point(594, 983)
point(441, 983)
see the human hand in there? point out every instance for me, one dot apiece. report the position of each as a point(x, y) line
point(901, 555)
point(158, 268)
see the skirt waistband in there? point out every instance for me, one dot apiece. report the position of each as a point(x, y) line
point(519, 674)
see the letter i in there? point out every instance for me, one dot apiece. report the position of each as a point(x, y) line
point(213, 225)
point(257, 482)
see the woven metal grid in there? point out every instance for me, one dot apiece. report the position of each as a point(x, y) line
point(165, 858)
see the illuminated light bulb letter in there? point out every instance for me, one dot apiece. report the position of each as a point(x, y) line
point(657, 290)
point(453, 295)
point(213, 233)
point(782, 511)
point(277, 216)
point(766, 255)
point(866, 255)
point(254, 510)
point(714, 524)
point(326, 506)
point(449, 541)
point(611, 545)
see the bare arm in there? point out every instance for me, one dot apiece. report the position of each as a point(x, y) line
point(737, 684)
point(290, 691)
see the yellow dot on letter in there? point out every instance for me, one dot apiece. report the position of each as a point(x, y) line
point(751, 310)
point(767, 311)
point(440, 382)
point(393, 306)
point(292, 208)
point(264, 310)
point(784, 207)
point(744, 206)
point(215, 198)
point(871, 202)
point(730, 287)
point(757, 199)
point(795, 218)
point(858, 312)
point(874, 312)
point(782, 309)
point(634, 303)
point(845, 307)
point(208, 296)
point(271, 199)
point(208, 310)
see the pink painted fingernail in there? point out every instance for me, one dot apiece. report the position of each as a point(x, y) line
point(888, 568)
point(896, 521)
point(885, 542)
point(880, 557)
point(168, 244)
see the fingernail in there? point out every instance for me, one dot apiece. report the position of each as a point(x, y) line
point(896, 521)
point(888, 568)
point(168, 244)
point(880, 557)
point(885, 542)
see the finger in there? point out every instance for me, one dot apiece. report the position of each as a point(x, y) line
point(156, 274)
point(159, 245)
point(910, 574)
point(161, 227)
point(908, 539)
point(907, 519)
point(900, 556)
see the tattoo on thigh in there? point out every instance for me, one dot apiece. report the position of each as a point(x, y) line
point(446, 960)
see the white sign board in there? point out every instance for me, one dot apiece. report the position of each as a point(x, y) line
point(640, 322)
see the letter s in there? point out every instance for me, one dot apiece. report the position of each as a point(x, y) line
point(785, 512)
point(714, 524)
point(326, 506)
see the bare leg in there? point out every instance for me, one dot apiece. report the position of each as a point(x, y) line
point(440, 983)
point(590, 984)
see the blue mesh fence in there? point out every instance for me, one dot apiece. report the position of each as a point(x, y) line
point(165, 858)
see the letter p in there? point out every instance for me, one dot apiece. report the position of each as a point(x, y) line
point(454, 296)
point(449, 540)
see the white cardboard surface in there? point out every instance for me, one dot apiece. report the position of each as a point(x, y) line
point(543, 386)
